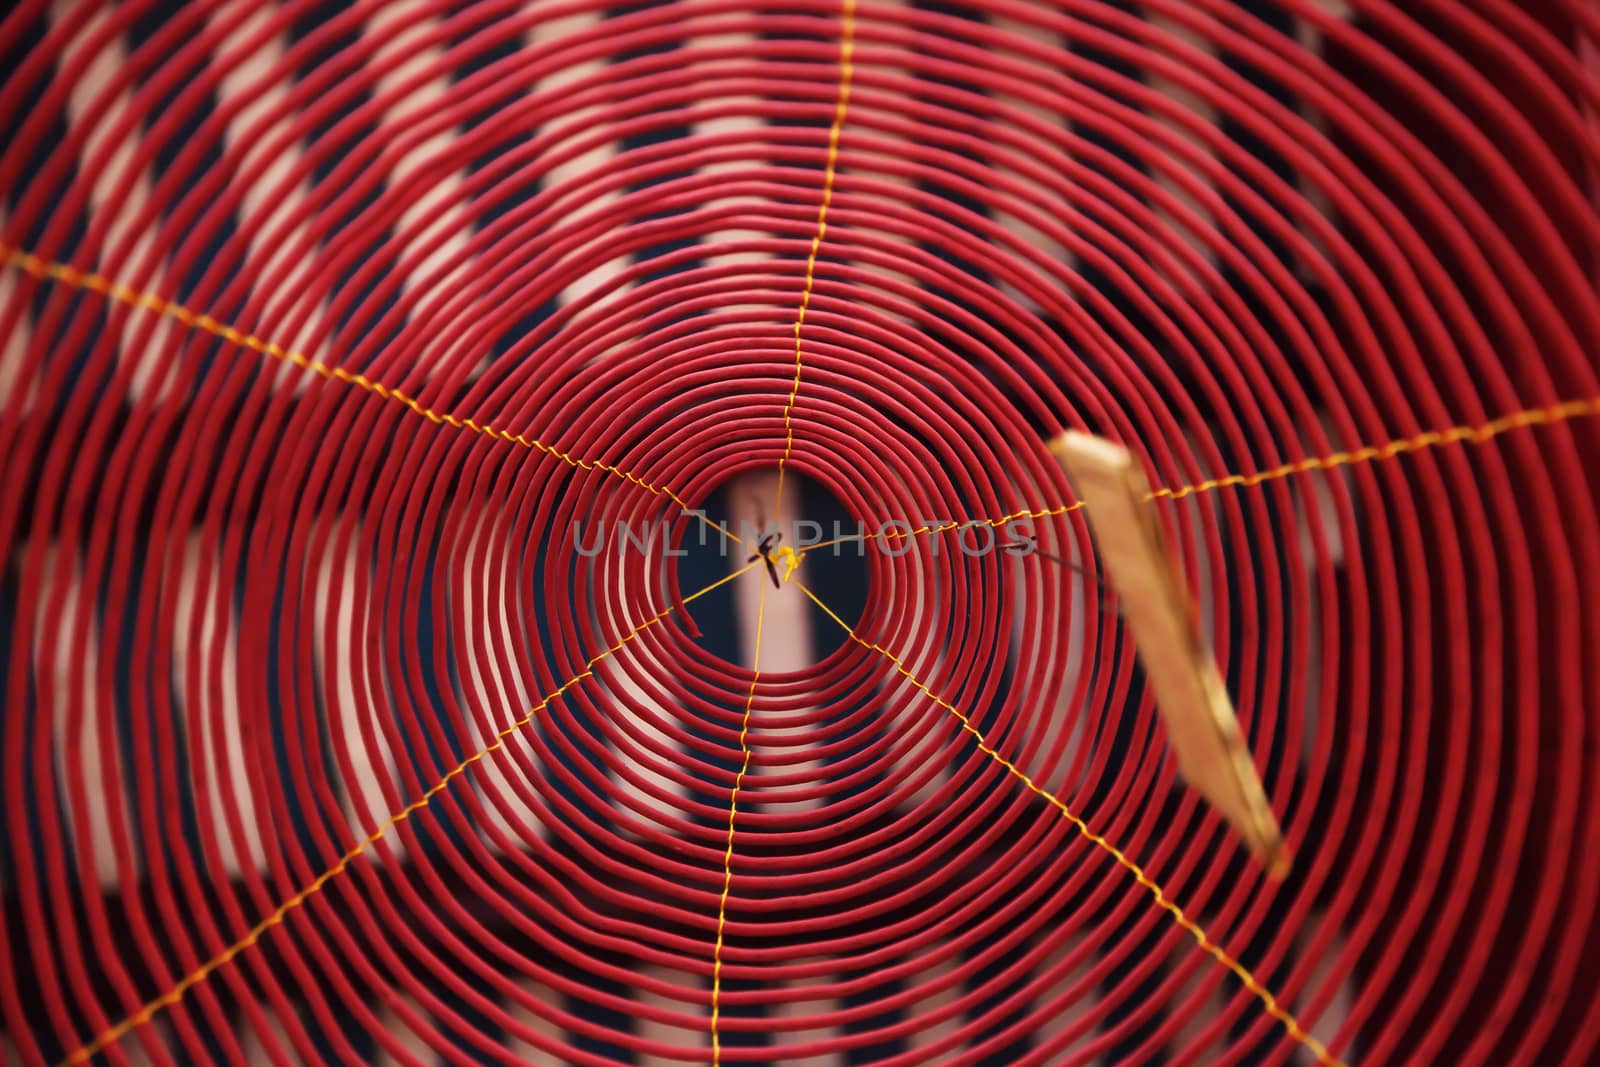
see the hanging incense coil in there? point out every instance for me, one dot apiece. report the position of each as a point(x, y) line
point(321, 329)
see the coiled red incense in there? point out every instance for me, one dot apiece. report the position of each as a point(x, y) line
point(267, 588)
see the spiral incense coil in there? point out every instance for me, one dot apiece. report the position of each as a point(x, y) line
point(333, 336)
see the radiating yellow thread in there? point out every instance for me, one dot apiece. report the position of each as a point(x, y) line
point(68, 275)
point(944, 527)
point(115, 1033)
point(841, 107)
point(733, 811)
point(1477, 435)
point(1216, 951)
point(790, 559)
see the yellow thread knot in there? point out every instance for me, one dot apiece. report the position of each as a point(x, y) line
point(789, 559)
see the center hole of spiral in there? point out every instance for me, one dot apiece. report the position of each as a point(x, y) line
point(808, 535)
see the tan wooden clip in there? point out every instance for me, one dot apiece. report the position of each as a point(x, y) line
point(1183, 675)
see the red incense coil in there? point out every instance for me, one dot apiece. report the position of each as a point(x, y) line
point(321, 329)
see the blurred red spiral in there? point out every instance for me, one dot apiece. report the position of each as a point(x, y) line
point(322, 325)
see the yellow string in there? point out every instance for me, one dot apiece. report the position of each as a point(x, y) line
point(847, 44)
point(115, 1033)
point(66, 274)
point(790, 559)
point(1211, 947)
point(733, 811)
point(944, 527)
point(1477, 435)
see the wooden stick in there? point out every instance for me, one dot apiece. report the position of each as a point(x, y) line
point(1201, 725)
